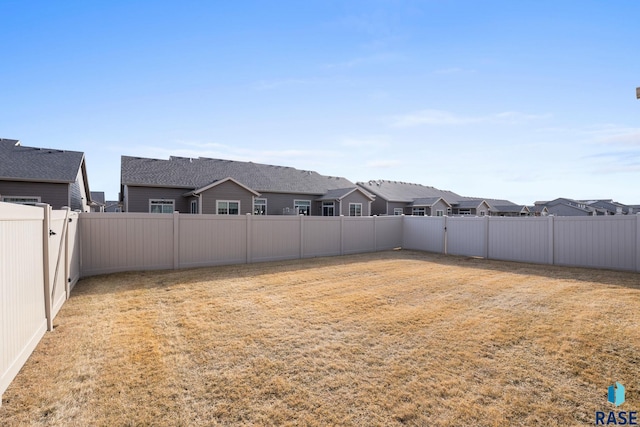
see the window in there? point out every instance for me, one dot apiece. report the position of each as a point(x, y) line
point(21, 200)
point(228, 207)
point(439, 212)
point(482, 213)
point(161, 206)
point(355, 209)
point(194, 206)
point(418, 211)
point(260, 206)
point(302, 207)
point(398, 211)
point(464, 211)
point(448, 211)
point(328, 209)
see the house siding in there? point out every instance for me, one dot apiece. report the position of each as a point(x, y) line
point(440, 205)
point(355, 197)
point(379, 207)
point(55, 194)
point(226, 191)
point(78, 197)
point(277, 202)
point(138, 198)
point(392, 205)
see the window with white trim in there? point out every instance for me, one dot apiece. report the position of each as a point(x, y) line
point(260, 206)
point(418, 211)
point(464, 211)
point(328, 209)
point(161, 206)
point(482, 213)
point(355, 209)
point(439, 212)
point(448, 211)
point(302, 207)
point(194, 206)
point(398, 211)
point(21, 200)
point(228, 207)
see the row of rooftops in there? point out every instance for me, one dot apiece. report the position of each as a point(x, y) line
point(52, 165)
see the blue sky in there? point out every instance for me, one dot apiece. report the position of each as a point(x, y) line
point(522, 100)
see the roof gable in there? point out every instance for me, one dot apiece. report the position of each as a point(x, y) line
point(341, 193)
point(222, 181)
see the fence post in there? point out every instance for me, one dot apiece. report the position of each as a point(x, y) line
point(445, 235)
point(301, 235)
point(341, 234)
point(176, 240)
point(46, 227)
point(375, 234)
point(551, 257)
point(248, 242)
point(486, 236)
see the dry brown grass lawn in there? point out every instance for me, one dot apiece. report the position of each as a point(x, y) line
point(379, 339)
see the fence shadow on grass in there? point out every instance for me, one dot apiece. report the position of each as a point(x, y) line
point(131, 281)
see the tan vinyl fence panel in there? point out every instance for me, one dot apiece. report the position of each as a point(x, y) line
point(424, 233)
point(275, 238)
point(321, 236)
point(358, 235)
point(125, 242)
point(207, 240)
point(388, 231)
point(521, 239)
point(599, 242)
point(467, 236)
point(23, 320)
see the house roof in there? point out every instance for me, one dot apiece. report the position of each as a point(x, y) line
point(98, 197)
point(216, 183)
point(179, 172)
point(510, 208)
point(341, 193)
point(396, 191)
point(428, 201)
point(19, 163)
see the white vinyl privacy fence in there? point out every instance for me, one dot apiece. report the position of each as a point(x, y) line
point(43, 253)
point(611, 242)
point(123, 242)
point(39, 265)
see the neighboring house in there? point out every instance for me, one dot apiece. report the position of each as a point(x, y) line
point(97, 201)
point(610, 207)
point(538, 210)
point(112, 206)
point(569, 207)
point(403, 198)
point(30, 175)
point(226, 187)
point(510, 210)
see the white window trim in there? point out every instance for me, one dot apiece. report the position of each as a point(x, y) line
point(255, 199)
point(163, 202)
point(439, 212)
point(418, 210)
point(37, 198)
point(191, 207)
point(227, 201)
point(398, 211)
point(329, 204)
point(296, 206)
point(355, 210)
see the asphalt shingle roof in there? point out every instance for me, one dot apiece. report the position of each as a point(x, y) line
point(37, 164)
point(189, 173)
point(395, 191)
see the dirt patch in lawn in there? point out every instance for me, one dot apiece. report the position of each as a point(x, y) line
point(389, 338)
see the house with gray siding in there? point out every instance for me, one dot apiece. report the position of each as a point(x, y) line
point(403, 198)
point(227, 187)
point(30, 175)
point(568, 207)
